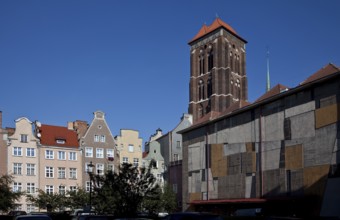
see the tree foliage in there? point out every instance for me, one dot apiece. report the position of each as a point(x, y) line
point(168, 200)
point(45, 200)
point(7, 196)
point(76, 199)
point(125, 190)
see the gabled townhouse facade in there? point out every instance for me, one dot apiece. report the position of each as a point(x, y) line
point(171, 150)
point(60, 159)
point(129, 145)
point(23, 161)
point(3, 148)
point(98, 146)
point(154, 154)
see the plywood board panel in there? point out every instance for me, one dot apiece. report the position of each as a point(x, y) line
point(195, 196)
point(326, 115)
point(314, 179)
point(294, 157)
point(216, 152)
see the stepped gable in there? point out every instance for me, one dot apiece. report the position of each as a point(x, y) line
point(327, 70)
point(50, 134)
point(273, 91)
point(217, 23)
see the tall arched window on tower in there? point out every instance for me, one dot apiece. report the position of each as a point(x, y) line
point(238, 89)
point(226, 55)
point(200, 111)
point(210, 60)
point(231, 61)
point(201, 63)
point(209, 86)
point(201, 90)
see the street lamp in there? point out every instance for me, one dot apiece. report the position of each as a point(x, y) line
point(90, 172)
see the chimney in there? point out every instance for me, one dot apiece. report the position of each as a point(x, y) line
point(70, 125)
point(0, 120)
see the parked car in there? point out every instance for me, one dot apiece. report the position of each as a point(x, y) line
point(15, 213)
point(193, 215)
point(32, 217)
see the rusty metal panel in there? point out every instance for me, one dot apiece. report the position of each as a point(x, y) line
point(326, 115)
point(314, 179)
point(222, 167)
point(195, 196)
point(216, 156)
point(294, 157)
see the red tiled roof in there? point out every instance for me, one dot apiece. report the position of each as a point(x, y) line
point(236, 106)
point(273, 91)
point(145, 154)
point(50, 134)
point(217, 23)
point(208, 117)
point(323, 72)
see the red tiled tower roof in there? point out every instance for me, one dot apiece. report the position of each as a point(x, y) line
point(273, 91)
point(217, 23)
point(50, 134)
point(323, 72)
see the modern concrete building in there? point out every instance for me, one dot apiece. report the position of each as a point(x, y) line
point(129, 145)
point(98, 146)
point(60, 159)
point(280, 153)
point(171, 150)
point(23, 161)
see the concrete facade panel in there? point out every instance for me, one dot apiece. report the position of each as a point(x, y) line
point(318, 150)
point(271, 155)
point(230, 149)
point(273, 127)
point(274, 182)
point(300, 109)
point(307, 130)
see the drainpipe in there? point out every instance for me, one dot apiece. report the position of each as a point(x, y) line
point(260, 154)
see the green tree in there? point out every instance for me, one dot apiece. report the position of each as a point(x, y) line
point(7, 196)
point(168, 199)
point(43, 200)
point(125, 190)
point(76, 199)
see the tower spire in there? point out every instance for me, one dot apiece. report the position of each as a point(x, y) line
point(268, 76)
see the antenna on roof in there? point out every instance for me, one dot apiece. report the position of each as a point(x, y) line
point(268, 76)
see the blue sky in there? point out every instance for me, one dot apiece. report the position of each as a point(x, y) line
point(62, 60)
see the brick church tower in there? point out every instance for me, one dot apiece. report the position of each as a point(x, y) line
point(217, 70)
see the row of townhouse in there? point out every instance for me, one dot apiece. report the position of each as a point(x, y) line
point(55, 159)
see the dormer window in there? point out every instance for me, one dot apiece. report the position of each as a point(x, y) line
point(60, 141)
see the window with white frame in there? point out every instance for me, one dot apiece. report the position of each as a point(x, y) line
point(17, 151)
point(24, 138)
point(100, 153)
point(109, 153)
point(49, 154)
point(174, 187)
point(87, 186)
point(17, 168)
point(135, 162)
point(100, 168)
point(61, 173)
point(61, 155)
point(125, 160)
point(130, 148)
point(88, 152)
point(178, 144)
point(30, 208)
point(102, 138)
point(176, 158)
point(30, 169)
point(60, 141)
point(73, 173)
point(72, 155)
point(110, 167)
point(159, 178)
point(30, 188)
point(18, 207)
point(49, 172)
point(73, 188)
point(17, 187)
point(62, 190)
point(49, 189)
point(96, 138)
point(30, 152)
